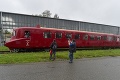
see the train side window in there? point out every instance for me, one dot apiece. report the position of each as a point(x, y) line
point(27, 34)
point(110, 38)
point(77, 36)
point(58, 35)
point(68, 35)
point(92, 37)
point(104, 37)
point(47, 35)
point(98, 37)
point(85, 37)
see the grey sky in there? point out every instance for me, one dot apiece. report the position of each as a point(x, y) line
point(95, 11)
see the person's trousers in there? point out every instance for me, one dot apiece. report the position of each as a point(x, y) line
point(71, 57)
point(53, 55)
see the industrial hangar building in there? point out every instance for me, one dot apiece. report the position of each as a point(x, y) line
point(8, 21)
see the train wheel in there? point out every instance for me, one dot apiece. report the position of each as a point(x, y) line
point(15, 50)
point(46, 50)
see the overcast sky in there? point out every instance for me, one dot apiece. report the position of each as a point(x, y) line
point(94, 11)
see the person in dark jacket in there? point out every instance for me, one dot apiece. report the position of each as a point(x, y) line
point(53, 47)
point(72, 49)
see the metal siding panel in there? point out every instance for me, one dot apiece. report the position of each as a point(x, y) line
point(0, 30)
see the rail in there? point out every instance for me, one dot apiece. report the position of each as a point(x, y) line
point(4, 52)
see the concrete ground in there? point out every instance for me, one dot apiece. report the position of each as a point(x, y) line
point(106, 68)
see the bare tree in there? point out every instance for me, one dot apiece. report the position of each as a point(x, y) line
point(46, 13)
point(56, 16)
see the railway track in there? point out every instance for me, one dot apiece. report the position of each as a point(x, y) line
point(47, 50)
point(4, 52)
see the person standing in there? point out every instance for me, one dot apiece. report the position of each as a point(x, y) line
point(53, 47)
point(72, 49)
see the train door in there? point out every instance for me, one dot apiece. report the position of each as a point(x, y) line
point(59, 38)
point(47, 35)
point(35, 38)
point(98, 41)
point(92, 41)
point(115, 41)
point(85, 40)
point(77, 37)
point(118, 41)
point(27, 35)
point(104, 41)
point(68, 36)
point(109, 41)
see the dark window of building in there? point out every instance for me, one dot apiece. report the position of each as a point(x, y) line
point(58, 35)
point(77, 36)
point(47, 35)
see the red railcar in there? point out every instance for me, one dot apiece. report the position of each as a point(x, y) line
point(25, 38)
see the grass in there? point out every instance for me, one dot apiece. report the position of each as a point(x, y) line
point(23, 57)
point(3, 48)
point(13, 58)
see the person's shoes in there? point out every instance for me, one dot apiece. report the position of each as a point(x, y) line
point(53, 59)
point(70, 61)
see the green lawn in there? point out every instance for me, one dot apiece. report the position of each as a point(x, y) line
point(3, 48)
point(12, 58)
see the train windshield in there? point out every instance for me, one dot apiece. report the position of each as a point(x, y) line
point(14, 33)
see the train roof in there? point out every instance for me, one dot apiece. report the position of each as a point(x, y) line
point(56, 29)
point(76, 31)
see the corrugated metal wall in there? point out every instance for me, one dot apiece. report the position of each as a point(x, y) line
point(11, 20)
point(98, 28)
point(0, 30)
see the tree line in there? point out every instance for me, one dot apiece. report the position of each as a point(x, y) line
point(47, 13)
